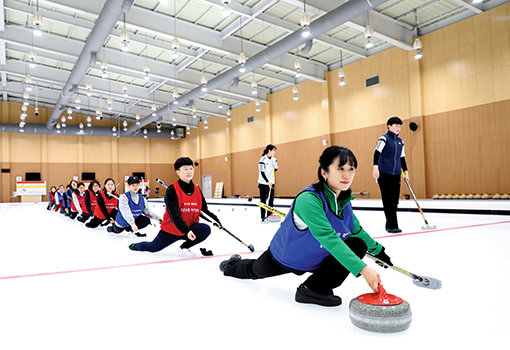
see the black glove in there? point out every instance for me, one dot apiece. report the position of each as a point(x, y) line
point(383, 257)
point(81, 218)
point(206, 252)
point(105, 222)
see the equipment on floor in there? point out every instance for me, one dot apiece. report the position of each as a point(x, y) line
point(380, 312)
point(420, 281)
point(427, 226)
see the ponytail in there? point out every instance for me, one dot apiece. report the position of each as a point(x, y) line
point(268, 148)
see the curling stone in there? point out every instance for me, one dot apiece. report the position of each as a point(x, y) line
point(274, 218)
point(436, 196)
point(380, 312)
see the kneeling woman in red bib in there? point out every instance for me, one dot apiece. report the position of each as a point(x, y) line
point(184, 203)
point(106, 206)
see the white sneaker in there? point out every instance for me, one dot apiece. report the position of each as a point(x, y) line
point(186, 253)
point(264, 221)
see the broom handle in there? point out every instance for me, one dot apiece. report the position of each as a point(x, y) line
point(414, 197)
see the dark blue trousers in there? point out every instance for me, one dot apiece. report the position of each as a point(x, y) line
point(164, 239)
point(141, 222)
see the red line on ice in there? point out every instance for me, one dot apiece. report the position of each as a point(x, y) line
point(443, 229)
point(224, 255)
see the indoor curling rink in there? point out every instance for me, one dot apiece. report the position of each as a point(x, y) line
point(64, 286)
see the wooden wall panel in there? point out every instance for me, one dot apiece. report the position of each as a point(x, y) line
point(246, 136)
point(62, 149)
point(219, 170)
point(467, 151)
point(25, 148)
point(131, 150)
point(215, 140)
point(298, 162)
point(189, 147)
point(354, 106)
point(163, 150)
point(298, 120)
point(467, 63)
point(97, 149)
point(245, 171)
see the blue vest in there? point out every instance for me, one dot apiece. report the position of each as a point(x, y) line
point(299, 249)
point(136, 209)
point(69, 194)
point(60, 197)
point(389, 160)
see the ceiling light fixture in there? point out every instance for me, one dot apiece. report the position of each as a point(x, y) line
point(305, 23)
point(226, 10)
point(124, 38)
point(341, 73)
point(369, 33)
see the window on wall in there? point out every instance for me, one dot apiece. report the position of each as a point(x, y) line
point(88, 176)
point(139, 175)
point(32, 176)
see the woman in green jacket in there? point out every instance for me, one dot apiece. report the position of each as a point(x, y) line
point(320, 234)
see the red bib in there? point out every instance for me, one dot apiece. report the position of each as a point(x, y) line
point(93, 202)
point(110, 204)
point(52, 196)
point(81, 200)
point(189, 208)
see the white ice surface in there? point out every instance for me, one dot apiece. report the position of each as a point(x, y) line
point(109, 297)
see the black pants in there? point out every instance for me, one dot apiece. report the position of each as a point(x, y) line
point(264, 193)
point(83, 217)
point(140, 222)
point(328, 276)
point(164, 239)
point(94, 222)
point(390, 193)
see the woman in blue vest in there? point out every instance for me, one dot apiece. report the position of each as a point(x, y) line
point(132, 207)
point(389, 161)
point(70, 189)
point(320, 234)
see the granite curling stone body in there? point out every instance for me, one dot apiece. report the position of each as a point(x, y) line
point(380, 312)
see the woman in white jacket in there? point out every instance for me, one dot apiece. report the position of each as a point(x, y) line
point(267, 167)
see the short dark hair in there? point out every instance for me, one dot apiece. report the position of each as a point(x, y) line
point(394, 120)
point(80, 184)
point(180, 162)
point(327, 158)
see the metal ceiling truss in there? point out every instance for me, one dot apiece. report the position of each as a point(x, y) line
point(189, 78)
point(322, 25)
point(159, 25)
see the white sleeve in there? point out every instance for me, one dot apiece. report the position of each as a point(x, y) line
point(276, 163)
point(380, 144)
point(76, 202)
point(403, 151)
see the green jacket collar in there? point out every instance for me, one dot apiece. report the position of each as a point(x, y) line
point(337, 205)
